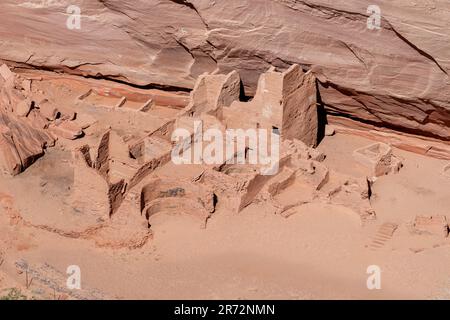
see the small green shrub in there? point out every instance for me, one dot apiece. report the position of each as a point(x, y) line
point(13, 294)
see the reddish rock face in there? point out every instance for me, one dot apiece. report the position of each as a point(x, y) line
point(20, 144)
point(396, 76)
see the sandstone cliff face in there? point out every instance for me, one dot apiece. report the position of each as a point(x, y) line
point(396, 76)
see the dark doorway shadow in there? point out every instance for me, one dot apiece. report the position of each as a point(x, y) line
point(321, 116)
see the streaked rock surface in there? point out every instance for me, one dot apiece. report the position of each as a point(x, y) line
point(396, 76)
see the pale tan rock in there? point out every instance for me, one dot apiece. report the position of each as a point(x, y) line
point(121, 166)
point(300, 114)
point(21, 143)
point(300, 150)
point(284, 102)
point(352, 193)
point(125, 230)
point(154, 148)
point(84, 120)
point(10, 162)
point(23, 108)
point(425, 146)
point(156, 154)
point(102, 154)
point(5, 72)
point(37, 120)
point(281, 181)
point(118, 149)
point(147, 106)
point(228, 189)
point(312, 172)
point(211, 93)
point(251, 188)
point(384, 233)
point(121, 102)
point(85, 95)
point(48, 109)
point(10, 94)
point(330, 130)
point(26, 85)
point(66, 114)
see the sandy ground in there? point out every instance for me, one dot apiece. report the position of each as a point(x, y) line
point(320, 252)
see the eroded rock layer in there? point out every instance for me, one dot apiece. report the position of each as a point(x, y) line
point(396, 76)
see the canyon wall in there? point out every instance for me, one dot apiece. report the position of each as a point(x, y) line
point(395, 76)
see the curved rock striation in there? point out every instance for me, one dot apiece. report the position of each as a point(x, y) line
point(396, 76)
